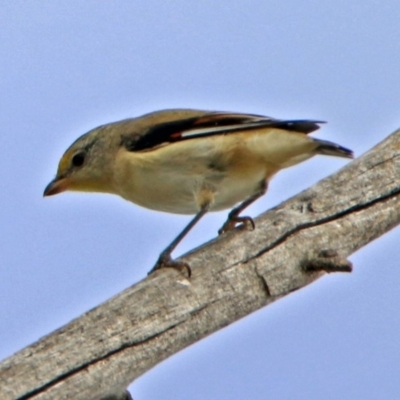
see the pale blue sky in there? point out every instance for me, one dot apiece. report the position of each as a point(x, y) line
point(67, 67)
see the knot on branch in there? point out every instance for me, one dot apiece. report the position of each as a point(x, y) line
point(327, 260)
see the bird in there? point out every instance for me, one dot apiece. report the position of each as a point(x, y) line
point(187, 161)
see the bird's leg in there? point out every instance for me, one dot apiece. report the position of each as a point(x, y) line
point(165, 260)
point(233, 216)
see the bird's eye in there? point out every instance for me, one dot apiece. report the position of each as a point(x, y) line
point(78, 159)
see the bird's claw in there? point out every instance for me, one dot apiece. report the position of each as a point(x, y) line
point(165, 261)
point(233, 221)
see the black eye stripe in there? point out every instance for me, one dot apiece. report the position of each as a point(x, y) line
point(78, 159)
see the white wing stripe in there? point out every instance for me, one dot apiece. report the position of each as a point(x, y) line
point(226, 128)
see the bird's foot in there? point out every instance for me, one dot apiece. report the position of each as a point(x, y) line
point(165, 261)
point(234, 220)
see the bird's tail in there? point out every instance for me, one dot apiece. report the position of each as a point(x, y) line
point(333, 149)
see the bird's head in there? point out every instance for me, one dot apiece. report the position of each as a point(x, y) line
point(87, 165)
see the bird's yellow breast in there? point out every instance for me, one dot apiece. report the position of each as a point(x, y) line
point(229, 168)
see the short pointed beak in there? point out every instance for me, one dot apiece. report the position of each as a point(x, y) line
point(56, 186)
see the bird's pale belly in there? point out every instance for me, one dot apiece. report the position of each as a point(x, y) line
point(181, 179)
point(183, 193)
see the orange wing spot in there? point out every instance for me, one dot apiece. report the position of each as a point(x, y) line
point(176, 135)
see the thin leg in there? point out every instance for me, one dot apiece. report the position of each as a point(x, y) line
point(165, 260)
point(233, 216)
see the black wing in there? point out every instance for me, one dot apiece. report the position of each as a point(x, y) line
point(213, 124)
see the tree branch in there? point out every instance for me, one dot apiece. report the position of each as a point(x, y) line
point(104, 350)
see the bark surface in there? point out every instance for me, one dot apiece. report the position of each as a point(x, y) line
point(100, 353)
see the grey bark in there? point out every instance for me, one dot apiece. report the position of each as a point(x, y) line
point(100, 353)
